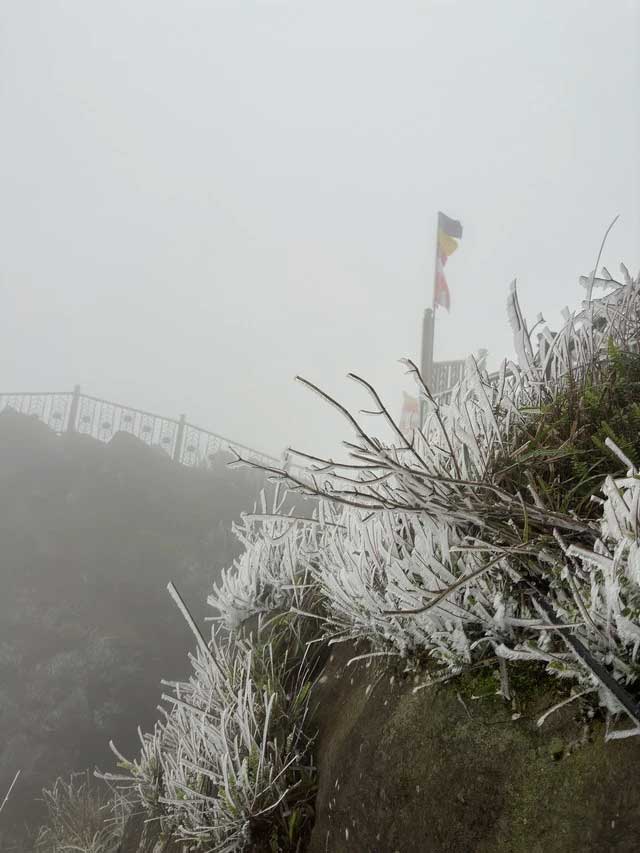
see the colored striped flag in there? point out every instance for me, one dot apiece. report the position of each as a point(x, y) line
point(449, 232)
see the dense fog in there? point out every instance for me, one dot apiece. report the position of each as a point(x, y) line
point(202, 200)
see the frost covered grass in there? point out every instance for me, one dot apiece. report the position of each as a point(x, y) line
point(82, 816)
point(5, 800)
point(275, 569)
point(230, 765)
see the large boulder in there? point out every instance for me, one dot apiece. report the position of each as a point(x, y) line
point(448, 769)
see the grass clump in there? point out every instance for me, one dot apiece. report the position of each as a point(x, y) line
point(561, 450)
point(231, 766)
point(83, 815)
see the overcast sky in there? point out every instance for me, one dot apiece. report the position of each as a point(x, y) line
point(199, 200)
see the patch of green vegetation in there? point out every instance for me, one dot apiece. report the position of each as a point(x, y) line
point(529, 684)
point(562, 451)
point(530, 680)
point(558, 783)
point(482, 681)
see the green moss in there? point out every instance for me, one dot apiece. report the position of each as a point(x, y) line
point(562, 450)
point(554, 788)
point(483, 681)
point(416, 771)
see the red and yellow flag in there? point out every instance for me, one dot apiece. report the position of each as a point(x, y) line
point(449, 232)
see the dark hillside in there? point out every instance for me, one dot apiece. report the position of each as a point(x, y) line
point(89, 536)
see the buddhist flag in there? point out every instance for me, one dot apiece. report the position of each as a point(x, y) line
point(449, 232)
point(410, 415)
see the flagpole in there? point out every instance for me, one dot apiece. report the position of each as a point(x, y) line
point(433, 305)
point(428, 335)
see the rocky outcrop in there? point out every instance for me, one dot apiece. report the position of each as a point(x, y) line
point(455, 769)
